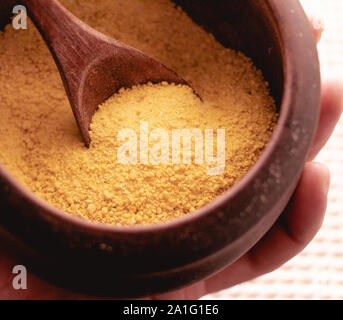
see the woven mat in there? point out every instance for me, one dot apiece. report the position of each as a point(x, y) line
point(317, 273)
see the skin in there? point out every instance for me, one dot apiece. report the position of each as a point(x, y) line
point(294, 230)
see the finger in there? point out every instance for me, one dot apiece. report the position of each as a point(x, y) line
point(289, 236)
point(331, 110)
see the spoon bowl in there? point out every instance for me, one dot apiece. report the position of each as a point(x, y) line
point(93, 66)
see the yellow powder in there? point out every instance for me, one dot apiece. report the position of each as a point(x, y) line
point(41, 145)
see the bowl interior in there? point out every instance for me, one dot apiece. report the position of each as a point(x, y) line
point(247, 26)
point(244, 25)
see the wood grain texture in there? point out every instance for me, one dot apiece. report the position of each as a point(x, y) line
point(93, 66)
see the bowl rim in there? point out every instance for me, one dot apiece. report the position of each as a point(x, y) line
point(227, 196)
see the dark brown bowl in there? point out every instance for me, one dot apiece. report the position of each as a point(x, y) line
point(139, 261)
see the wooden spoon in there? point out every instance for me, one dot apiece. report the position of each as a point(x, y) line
point(92, 66)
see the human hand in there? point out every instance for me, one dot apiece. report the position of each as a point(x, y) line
point(298, 224)
point(293, 231)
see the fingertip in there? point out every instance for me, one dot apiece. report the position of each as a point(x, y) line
point(331, 111)
point(308, 208)
point(332, 94)
point(322, 173)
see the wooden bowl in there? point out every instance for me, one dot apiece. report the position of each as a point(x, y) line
point(140, 261)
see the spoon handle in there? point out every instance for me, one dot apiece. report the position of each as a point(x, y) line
point(72, 43)
point(92, 66)
point(75, 46)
